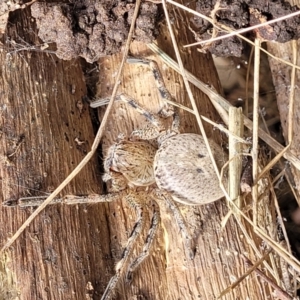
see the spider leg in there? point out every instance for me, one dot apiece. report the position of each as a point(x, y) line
point(167, 110)
point(180, 221)
point(153, 131)
point(156, 129)
point(176, 122)
point(148, 115)
point(120, 267)
point(117, 181)
point(69, 199)
point(148, 243)
point(150, 132)
point(29, 201)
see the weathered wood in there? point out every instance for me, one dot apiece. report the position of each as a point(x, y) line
point(168, 273)
point(66, 247)
point(42, 115)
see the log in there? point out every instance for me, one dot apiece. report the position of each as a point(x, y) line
point(68, 247)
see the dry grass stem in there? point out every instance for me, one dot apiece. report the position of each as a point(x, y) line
point(251, 241)
point(279, 291)
point(255, 146)
point(236, 126)
point(290, 115)
point(231, 287)
point(246, 110)
point(272, 163)
point(226, 131)
point(288, 257)
point(236, 32)
point(292, 94)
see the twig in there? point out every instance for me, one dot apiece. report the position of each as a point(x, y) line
point(236, 126)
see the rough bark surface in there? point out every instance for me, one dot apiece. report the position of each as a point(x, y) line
point(42, 115)
point(67, 247)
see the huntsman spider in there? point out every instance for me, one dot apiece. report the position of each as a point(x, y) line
point(178, 168)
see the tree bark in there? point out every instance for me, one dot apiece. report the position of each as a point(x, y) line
point(46, 130)
point(66, 247)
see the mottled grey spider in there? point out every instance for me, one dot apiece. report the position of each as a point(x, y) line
point(179, 169)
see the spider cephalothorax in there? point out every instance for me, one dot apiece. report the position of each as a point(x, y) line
point(132, 159)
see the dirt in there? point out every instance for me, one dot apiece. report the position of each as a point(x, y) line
point(92, 29)
point(238, 14)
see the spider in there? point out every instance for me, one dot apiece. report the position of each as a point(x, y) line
point(154, 163)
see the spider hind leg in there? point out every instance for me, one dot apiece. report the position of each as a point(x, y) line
point(127, 252)
point(148, 243)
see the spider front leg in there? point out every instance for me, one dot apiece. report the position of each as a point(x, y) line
point(156, 129)
point(167, 110)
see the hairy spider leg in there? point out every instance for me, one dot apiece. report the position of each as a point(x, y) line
point(72, 200)
point(179, 220)
point(149, 132)
point(69, 199)
point(167, 110)
point(148, 243)
point(136, 231)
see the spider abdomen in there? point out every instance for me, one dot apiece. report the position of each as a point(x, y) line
point(182, 166)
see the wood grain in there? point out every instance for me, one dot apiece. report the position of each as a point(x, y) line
point(67, 247)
